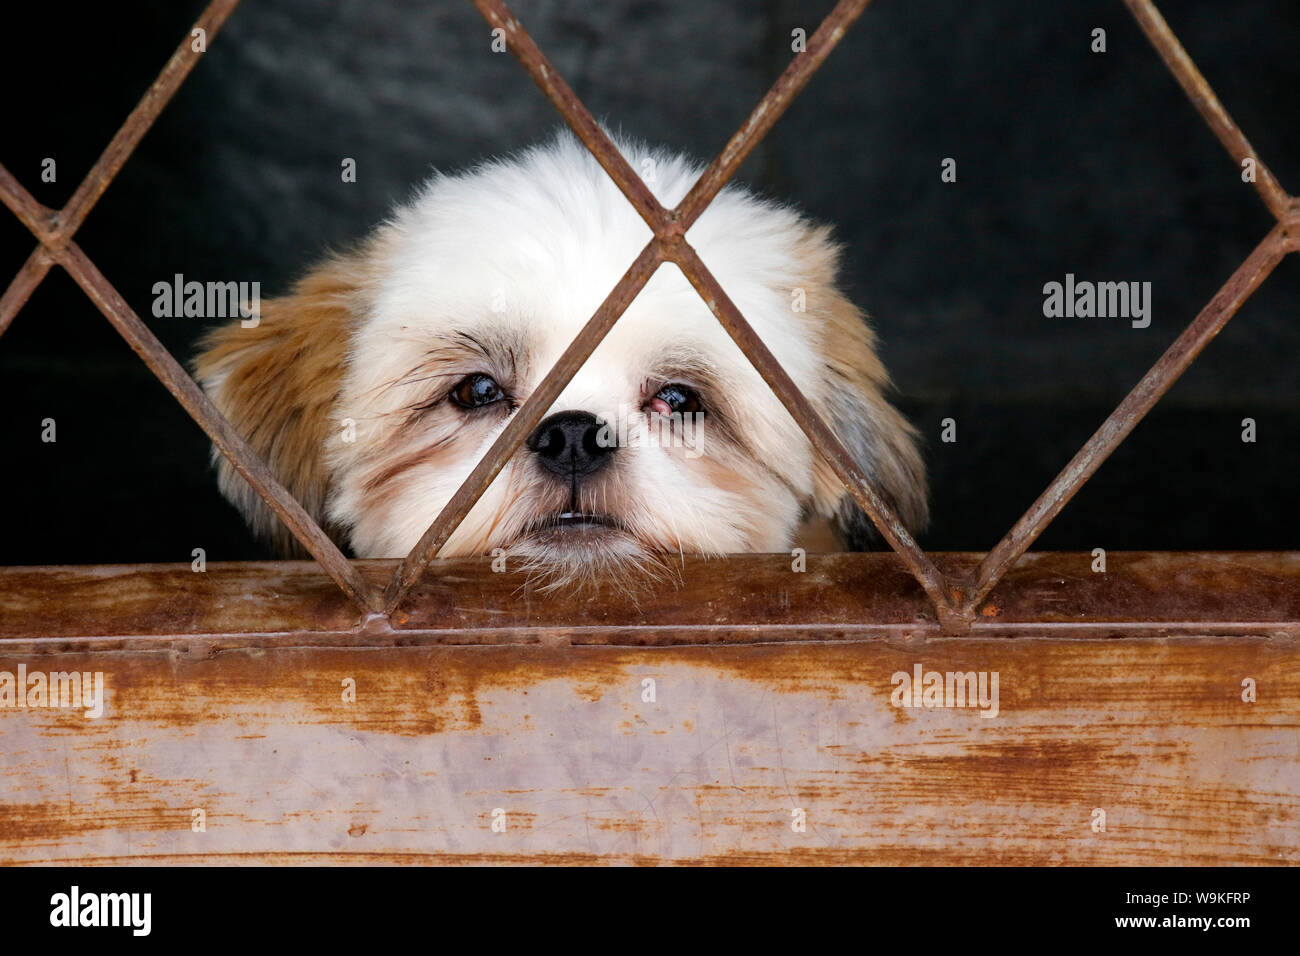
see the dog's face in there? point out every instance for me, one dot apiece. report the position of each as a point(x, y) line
point(376, 387)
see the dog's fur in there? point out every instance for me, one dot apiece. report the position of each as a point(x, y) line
point(343, 384)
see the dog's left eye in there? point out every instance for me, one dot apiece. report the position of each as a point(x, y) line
point(475, 391)
point(676, 399)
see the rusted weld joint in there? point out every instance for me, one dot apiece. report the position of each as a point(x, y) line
point(376, 624)
point(58, 233)
point(955, 619)
point(673, 245)
point(670, 227)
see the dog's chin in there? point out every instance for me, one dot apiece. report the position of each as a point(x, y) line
point(583, 552)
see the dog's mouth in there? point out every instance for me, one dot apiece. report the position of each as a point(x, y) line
point(574, 523)
point(579, 549)
point(576, 532)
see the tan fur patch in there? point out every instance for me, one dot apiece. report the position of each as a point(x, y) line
point(851, 394)
point(278, 382)
point(440, 450)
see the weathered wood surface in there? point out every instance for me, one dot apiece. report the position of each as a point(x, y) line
point(1120, 693)
point(740, 599)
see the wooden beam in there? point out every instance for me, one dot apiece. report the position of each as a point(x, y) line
point(1123, 700)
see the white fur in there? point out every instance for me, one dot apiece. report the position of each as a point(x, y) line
point(537, 242)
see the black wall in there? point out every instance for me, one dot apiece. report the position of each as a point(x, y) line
point(1068, 162)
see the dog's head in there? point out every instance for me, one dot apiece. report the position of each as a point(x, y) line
point(377, 385)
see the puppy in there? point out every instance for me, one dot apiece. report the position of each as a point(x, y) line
point(377, 384)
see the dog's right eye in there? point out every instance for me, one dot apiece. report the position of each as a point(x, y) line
point(475, 391)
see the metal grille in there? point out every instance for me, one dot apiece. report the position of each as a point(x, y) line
point(957, 597)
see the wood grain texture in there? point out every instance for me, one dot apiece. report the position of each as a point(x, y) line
point(1142, 719)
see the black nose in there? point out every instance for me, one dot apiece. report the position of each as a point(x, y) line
point(568, 444)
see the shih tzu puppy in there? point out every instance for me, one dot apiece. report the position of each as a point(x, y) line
point(376, 385)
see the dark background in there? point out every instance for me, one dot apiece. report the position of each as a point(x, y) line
point(1068, 161)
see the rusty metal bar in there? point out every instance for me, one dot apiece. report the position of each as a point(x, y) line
point(747, 599)
point(1136, 404)
point(669, 231)
point(132, 130)
point(55, 227)
point(777, 691)
point(24, 284)
point(1207, 104)
point(39, 219)
point(574, 112)
point(54, 230)
point(524, 420)
point(768, 110)
point(200, 408)
point(823, 439)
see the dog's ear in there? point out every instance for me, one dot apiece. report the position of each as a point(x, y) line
point(278, 383)
point(850, 395)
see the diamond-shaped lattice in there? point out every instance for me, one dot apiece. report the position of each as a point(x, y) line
point(955, 602)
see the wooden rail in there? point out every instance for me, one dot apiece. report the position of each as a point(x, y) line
point(1123, 733)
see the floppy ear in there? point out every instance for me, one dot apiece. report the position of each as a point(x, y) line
point(850, 396)
point(278, 383)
